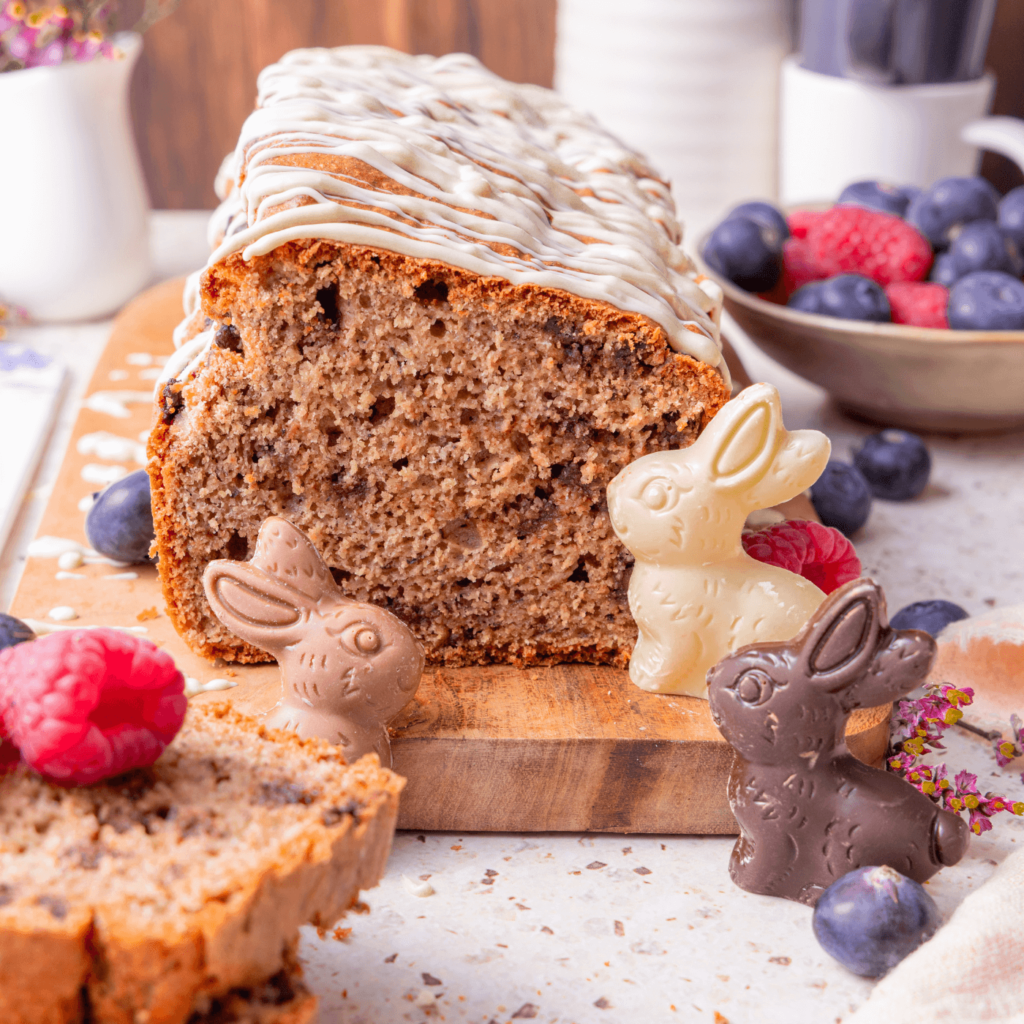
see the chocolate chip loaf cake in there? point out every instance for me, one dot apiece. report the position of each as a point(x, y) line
point(444, 311)
point(174, 893)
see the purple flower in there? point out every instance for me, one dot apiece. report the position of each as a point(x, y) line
point(20, 45)
point(48, 56)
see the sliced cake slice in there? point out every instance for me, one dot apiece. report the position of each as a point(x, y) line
point(144, 898)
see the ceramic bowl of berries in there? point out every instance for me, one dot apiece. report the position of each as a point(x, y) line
point(906, 305)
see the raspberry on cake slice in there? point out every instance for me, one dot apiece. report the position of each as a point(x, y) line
point(171, 889)
point(445, 311)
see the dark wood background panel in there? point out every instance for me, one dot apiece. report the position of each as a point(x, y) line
point(1006, 58)
point(196, 80)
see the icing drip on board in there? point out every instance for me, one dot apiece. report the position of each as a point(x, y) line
point(438, 158)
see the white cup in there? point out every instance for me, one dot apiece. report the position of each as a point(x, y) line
point(692, 84)
point(835, 131)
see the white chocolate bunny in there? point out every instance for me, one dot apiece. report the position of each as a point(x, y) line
point(695, 594)
point(347, 668)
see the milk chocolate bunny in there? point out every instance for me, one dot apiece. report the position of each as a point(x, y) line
point(808, 810)
point(695, 594)
point(347, 668)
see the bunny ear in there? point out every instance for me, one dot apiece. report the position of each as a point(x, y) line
point(253, 605)
point(285, 552)
point(841, 639)
point(744, 446)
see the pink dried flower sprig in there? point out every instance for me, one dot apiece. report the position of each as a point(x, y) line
point(10, 314)
point(42, 35)
point(47, 36)
point(917, 730)
point(1009, 750)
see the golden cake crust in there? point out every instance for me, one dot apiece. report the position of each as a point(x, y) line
point(149, 896)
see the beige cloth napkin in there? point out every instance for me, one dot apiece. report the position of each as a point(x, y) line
point(971, 970)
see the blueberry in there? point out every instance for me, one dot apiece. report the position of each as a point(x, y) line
point(120, 522)
point(987, 300)
point(841, 497)
point(895, 464)
point(944, 270)
point(930, 616)
point(876, 195)
point(764, 214)
point(846, 296)
point(1011, 215)
point(984, 245)
point(13, 631)
point(949, 203)
point(871, 918)
point(747, 253)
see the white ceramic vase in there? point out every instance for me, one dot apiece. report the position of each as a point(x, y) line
point(692, 84)
point(73, 206)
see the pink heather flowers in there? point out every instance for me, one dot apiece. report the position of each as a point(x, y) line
point(10, 314)
point(34, 34)
point(45, 36)
point(918, 729)
point(1009, 750)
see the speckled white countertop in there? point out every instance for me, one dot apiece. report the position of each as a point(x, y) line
point(624, 929)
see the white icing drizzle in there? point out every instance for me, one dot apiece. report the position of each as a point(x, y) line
point(115, 403)
point(41, 627)
point(94, 473)
point(488, 163)
point(190, 297)
point(58, 547)
point(70, 560)
point(185, 361)
point(193, 687)
point(53, 547)
point(113, 447)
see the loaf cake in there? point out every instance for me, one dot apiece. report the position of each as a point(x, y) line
point(444, 311)
point(174, 893)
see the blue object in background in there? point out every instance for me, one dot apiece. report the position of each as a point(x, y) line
point(931, 617)
point(896, 42)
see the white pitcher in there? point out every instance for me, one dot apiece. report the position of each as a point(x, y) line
point(692, 84)
point(73, 206)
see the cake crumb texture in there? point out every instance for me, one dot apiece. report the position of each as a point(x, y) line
point(152, 896)
point(444, 440)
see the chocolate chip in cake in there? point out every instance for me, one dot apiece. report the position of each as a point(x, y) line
point(171, 400)
point(87, 857)
point(328, 300)
point(6, 894)
point(281, 792)
point(227, 336)
point(432, 291)
point(335, 815)
point(56, 905)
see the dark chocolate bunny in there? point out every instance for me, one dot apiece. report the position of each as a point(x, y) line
point(808, 810)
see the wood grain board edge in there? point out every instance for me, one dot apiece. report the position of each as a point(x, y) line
point(565, 748)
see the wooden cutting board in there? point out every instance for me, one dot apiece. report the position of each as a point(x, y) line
point(567, 748)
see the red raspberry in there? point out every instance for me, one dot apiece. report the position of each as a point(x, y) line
point(798, 267)
point(819, 553)
point(88, 704)
point(800, 221)
point(9, 756)
point(852, 240)
point(919, 303)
